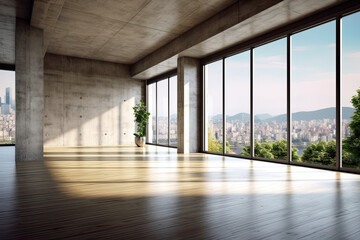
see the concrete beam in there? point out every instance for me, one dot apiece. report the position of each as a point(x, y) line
point(223, 20)
point(45, 14)
point(189, 105)
point(29, 92)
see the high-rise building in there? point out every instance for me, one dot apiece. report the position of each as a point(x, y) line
point(0, 102)
point(8, 96)
point(5, 109)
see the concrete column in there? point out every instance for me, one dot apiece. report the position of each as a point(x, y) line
point(29, 64)
point(189, 105)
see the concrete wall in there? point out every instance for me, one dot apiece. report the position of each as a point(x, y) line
point(29, 92)
point(88, 102)
point(189, 105)
point(7, 40)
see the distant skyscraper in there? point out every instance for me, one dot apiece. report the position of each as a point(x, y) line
point(8, 96)
point(0, 102)
point(5, 109)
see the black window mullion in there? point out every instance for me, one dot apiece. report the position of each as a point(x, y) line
point(168, 111)
point(338, 96)
point(156, 103)
point(204, 109)
point(223, 112)
point(252, 103)
point(289, 114)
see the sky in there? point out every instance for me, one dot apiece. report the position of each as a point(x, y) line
point(163, 97)
point(237, 74)
point(7, 79)
point(312, 72)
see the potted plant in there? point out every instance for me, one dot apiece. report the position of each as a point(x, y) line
point(141, 120)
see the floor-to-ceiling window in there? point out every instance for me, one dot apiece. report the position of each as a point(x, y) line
point(173, 111)
point(294, 98)
point(162, 112)
point(7, 107)
point(269, 97)
point(351, 91)
point(213, 93)
point(313, 95)
point(237, 103)
point(162, 105)
point(151, 107)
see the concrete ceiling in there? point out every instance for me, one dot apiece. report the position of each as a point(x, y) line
point(151, 34)
point(120, 31)
point(278, 15)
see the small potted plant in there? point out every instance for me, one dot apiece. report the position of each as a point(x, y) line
point(141, 120)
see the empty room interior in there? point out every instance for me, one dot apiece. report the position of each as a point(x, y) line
point(179, 119)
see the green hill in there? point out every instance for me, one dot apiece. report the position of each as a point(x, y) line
point(326, 113)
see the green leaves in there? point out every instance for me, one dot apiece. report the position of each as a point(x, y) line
point(214, 145)
point(351, 145)
point(141, 118)
point(323, 153)
point(275, 150)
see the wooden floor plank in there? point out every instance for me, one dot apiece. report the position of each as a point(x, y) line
point(124, 192)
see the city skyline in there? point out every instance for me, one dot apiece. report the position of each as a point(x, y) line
point(7, 79)
point(7, 112)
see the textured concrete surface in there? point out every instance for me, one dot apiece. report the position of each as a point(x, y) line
point(88, 102)
point(29, 92)
point(152, 34)
point(189, 105)
point(7, 39)
point(285, 12)
point(16, 8)
point(118, 31)
point(223, 20)
point(45, 15)
point(9, 11)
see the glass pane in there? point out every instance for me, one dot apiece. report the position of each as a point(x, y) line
point(213, 107)
point(313, 95)
point(173, 111)
point(351, 90)
point(237, 94)
point(7, 107)
point(270, 98)
point(151, 106)
point(163, 111)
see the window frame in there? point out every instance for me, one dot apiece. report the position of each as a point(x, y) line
point(334, 13)
point(9, 67)
point(163, 77)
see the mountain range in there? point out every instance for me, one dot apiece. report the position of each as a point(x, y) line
point(326, 113)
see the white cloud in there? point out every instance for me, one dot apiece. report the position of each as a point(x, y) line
point(313, 95)
point(300, 48)
point(268, 59)
point(237, 65)
point(350, 82)
point(329, 75)
point(271, 62)
point(354, 55)
point(270, 95)
point(332, 45)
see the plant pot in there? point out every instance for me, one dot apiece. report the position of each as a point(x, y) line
point(140, 141)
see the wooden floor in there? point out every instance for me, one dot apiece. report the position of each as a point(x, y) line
point(123, 192)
